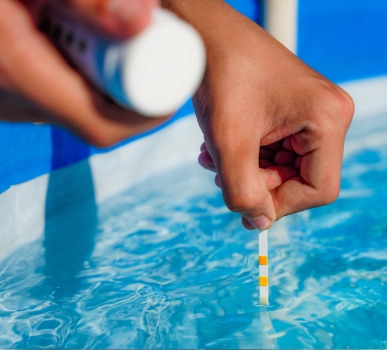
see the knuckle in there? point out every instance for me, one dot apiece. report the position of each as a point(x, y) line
point(328, 196)
point(241, 202)
point(337, 105)
point(331, 196)
point(347, 106)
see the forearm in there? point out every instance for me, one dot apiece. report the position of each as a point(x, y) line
point(215, 20)
point(223, 28)
point(273, 127)
point(194, 11)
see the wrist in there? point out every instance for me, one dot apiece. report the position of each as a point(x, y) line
point(210, 17)
point(222, 28)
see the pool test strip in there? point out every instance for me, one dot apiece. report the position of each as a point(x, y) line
point(154, 73)
point(263, 261)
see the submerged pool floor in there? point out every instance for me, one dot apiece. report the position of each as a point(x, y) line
point(166, 265)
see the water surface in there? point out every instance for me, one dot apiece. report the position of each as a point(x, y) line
point(166, 265)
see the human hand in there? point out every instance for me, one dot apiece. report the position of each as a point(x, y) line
point(31, 67)
point(274, 128)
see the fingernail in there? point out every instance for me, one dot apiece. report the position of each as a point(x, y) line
point(261, 222)
point(124, 10)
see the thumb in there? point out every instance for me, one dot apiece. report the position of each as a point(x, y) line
point(120, 17)
point(243, 184)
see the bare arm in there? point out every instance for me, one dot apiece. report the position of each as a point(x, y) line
point(274, 128)
point(52, 91)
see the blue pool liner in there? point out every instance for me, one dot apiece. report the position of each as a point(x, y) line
point(341, 39)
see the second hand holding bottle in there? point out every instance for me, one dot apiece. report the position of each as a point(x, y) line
point(153, 73)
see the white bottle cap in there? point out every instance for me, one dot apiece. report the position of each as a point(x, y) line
point(163, 65)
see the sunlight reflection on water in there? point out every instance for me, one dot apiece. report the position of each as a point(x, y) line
point(166, 265)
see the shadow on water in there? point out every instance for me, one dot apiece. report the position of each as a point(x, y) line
point(71, 216)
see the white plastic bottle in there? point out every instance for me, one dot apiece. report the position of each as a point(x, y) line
point(153, 73)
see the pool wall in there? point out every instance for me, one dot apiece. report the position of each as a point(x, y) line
point(340, 38)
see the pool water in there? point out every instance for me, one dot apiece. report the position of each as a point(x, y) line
point(166, 265)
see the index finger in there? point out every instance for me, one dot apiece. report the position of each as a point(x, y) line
point(318, 183)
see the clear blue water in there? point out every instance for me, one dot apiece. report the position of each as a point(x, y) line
point(166, 265)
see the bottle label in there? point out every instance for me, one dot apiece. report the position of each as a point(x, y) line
point(94, 54)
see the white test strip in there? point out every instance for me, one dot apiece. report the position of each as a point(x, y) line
point(263, 268)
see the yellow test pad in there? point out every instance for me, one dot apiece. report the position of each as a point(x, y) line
point(263, 268)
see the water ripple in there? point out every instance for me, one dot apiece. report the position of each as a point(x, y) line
point(173, 268)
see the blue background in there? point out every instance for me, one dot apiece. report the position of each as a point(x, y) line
point(343, 39)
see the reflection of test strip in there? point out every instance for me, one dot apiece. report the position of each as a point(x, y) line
point(263, 268)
